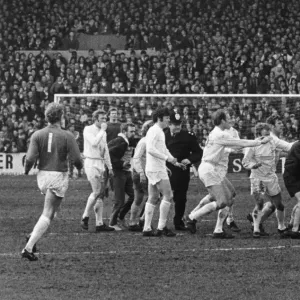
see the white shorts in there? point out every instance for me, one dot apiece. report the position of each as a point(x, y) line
point(156, 177)
point(210, 174)
point(271, 186)
point(94, 169)
point(56, 182)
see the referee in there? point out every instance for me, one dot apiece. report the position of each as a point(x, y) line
point(182, 145)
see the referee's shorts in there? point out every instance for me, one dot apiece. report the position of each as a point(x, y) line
point(292, 183)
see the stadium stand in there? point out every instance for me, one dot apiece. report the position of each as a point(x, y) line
point(201, 47)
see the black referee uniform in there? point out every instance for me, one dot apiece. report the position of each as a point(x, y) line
point(182, 145)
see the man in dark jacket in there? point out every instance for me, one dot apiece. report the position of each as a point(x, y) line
point(182, 145)
point(120, 151)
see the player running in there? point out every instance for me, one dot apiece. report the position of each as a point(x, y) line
point(52, 146)
point(212, 174)
point(224, 162)
point(96, 159)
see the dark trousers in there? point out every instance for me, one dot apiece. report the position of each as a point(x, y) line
point(123, 184)
point(179, 180)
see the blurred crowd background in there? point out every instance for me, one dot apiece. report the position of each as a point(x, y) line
point(200, 47)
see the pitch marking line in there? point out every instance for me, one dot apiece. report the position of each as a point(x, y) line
point(154, 251)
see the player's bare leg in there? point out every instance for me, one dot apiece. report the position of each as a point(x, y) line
point(52, 203)
point(295, 233)
point(257, 214)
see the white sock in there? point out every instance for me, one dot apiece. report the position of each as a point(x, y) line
point(202, 202)
point(39, 229)
point(296, 218)
point(230, 215)
point(149, 210)
point(98, 209)
point(222, 214)
point(205, 210)
point(164, 209)
point(293, 215)
point(134, 210)
point(280, 218)
point(257, 214)
point(89, 204)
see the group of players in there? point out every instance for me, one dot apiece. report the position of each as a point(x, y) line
point(161, 163)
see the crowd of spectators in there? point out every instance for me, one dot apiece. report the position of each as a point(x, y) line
point(202, 47)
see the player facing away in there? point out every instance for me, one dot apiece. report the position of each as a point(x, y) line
point(52, 146)
point(140, 182)
point(281, 146)
point(96, 159)
point(224, 162)
point(156, 171)
point(211, 173)
point(262, 160)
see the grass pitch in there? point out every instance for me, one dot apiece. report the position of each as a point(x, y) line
point(74, 264)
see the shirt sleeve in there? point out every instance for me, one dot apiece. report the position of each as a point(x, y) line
point(138, 154)
point(282, 145)
point(249, 158)
point(32, 153)
point(92, 139)
point(151, 145)
point(226, 140)
point(107, 157)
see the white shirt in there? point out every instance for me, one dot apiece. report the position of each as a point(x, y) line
point(139, 158)
point(156, 150)
point(95, 145)
point(225, 160)
point(217, 141)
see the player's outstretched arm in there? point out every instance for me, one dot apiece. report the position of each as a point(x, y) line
point(242, 143)
point(32, 153)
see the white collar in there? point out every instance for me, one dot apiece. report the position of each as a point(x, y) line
point(124, 137)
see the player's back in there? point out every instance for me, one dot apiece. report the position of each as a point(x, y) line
point(52, 145)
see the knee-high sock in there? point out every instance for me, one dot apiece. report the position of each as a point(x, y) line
point(223, 213)
point(296, 218)
point(230, 215)
point(202, 202)
point(257, 214)
point(39, 229)
point(280, 218)
point(267, 211)
point(205, 210)
point(98, 209)
point(149, 210)
point(134, 213)
point(90, 202)
point(164, 209)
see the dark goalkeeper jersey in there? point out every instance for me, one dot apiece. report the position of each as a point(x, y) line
point(52, 146)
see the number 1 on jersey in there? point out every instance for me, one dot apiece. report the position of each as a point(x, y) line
point(50, 142)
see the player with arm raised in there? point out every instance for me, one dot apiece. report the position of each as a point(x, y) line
point(262, 161)
point(156, 171)
point(52, 147)
point(96, 159)
point(224, 162)
point(212, 175)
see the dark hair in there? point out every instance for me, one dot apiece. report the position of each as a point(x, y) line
point(272, 120)
point(160, 113)
point(218, 116)
point(54, 112)
point(112, 109)
point(97, 113)
point(125, 126)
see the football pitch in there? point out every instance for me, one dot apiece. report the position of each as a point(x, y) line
point(74, 264)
